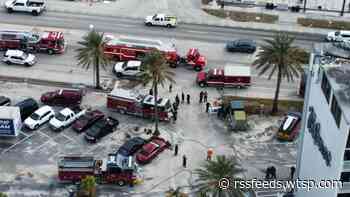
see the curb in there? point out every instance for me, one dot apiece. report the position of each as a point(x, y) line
point(226, 24)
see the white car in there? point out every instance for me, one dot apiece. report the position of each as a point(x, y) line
point(338, 36)
point(65, 118)
point(35, 7)
point(19, 57)
point(127, 69)
point(39, 117)
point(161, 20)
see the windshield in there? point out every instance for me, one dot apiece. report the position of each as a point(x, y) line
point(35, 116)
point(24, 56)
point(60, 117)
point(124, 65)
point(155, 16)
point(95, 129)
point(60, 43)
point(337, 33)
point(84, 120)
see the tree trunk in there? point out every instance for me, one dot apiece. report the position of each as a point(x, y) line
point(97, 71)
point(275, 100)
point(156, 118)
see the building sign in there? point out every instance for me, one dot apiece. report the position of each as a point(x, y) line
point(6, 127)
point(314, 128)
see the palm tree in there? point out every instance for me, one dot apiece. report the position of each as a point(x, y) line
point(210, 174)
point(3, 194)
point(279, 55)
point(91, 53)
point(88, 187)
point(156, 71)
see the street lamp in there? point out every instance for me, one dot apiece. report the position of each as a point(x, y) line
point(91, 27)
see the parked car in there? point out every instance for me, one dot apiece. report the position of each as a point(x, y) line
point(161, 20)
point(290, 126)
point(246, 46)
point(128, 69)
point(65, 118)
point(35, 7)
point(87, 120)
point(27, 107)
point(151, 149)
point(338, 36)
point(39, 117)
point(19, 57)
point(101, 128)
point(131, 146)
point(62, 97)
point(5, 101)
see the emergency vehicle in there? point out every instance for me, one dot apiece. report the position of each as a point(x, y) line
point(161, 20)
point(131, 102)
point(116, 169)
point(48, 41)
point(130, 48)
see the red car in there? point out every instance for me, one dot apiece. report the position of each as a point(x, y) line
point(150, 150)
point(87, 120)
point(290, 127)
point(62, 97)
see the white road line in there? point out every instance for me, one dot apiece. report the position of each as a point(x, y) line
point(23, 133)
point(42, 145)
point(9, 148)
point(70, 138)
point(42, 133)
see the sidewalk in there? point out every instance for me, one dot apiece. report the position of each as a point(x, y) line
point(188, 11)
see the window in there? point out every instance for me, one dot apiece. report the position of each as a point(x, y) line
point(345, 176)
point(19, 4)
point(348, 141)
point(344, 195)
point(325, 86)
point(336, 111)
point(347, 155)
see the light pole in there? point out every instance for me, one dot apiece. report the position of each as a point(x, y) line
point(304, 6)
point(343, 8)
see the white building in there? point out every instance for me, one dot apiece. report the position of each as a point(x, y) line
point(324, 146)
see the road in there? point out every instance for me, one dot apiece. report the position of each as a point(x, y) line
point(209, 39)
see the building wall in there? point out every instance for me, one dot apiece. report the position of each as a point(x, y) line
point(312, 166)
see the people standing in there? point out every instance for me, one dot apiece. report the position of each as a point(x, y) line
point(292, 171)
point(205, 96)
point(184, 161)
point(188, 98)
point(273, 172)
point(170, 87)
point(177, 100)
point(176, 149)
point(210, 153)
point(182, 97)
point(151, 91)
point(174, 106)
point(207, 107)
point(201, 96)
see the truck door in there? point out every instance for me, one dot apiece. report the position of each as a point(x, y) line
point(157, 21)
point(215, 80)
point(19, 7)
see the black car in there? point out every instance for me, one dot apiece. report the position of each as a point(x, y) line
point(27, 107)
point(101, 128)
point(5, 101)
point(131, 146)
point(246, 46)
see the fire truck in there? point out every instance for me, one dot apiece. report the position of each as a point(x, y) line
point(117, 169)
point(131, 102)
point(129, 48)
point(49, 41)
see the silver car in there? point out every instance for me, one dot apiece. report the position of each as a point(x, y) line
point(19, 57)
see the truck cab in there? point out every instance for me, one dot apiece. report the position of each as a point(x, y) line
point(161, 20)
point(35, 7)
point(65, 118)
point(194, 59)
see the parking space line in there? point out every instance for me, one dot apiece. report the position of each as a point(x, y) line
point(42, 145)
point(15, 144)
point(70, 138)
point(23, 133)
point(44, 134)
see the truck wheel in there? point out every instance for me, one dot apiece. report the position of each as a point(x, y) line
point(50, 51)
point(148, 24)
point(9, 10)
point(168, 26)
point(173, 65)
point(119, 74)
point(197, 68)
point(8, 62)
point(35, 13)
point(202, 84)
point(122, 111)
point(27, 65)
point(121, 183)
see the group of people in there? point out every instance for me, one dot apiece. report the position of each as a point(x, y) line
point(210, 153)
point(271, 173)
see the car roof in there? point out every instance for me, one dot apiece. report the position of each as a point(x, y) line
point(14, 52)
point(134, 63)
point(43, 110)
point(65, 111)
point(245, 41)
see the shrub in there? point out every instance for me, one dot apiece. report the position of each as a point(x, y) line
point(243, 16)
point(321, 23)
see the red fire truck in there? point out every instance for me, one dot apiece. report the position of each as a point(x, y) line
point(130, 48)
point(117, 169)
point(49, 41)
point(130, 102)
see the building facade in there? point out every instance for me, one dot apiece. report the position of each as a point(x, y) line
point(324, 146)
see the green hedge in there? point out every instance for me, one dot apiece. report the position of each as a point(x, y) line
point(321, 23)
point(243, 16)
point(252, 105)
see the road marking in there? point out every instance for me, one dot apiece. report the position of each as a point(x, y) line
point(42, 145)
point(12, 146)
point(70, 138)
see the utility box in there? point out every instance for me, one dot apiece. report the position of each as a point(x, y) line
point(10, 121)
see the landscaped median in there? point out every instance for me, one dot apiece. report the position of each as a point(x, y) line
point(324, 23)
point(254, 105)
point(242, 16)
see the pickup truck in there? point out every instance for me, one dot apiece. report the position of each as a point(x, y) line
point(35, 7)
point(161, 20)
point(101, 128)
point(65, 118)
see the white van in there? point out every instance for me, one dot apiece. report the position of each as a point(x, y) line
point(339, 36)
